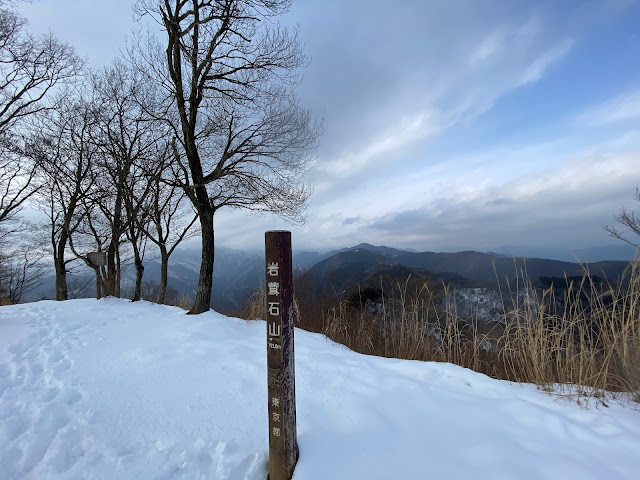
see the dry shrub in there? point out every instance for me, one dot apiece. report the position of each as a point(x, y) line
point(588, 339)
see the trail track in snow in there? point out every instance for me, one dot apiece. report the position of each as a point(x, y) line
point(47, 426)
point(40, 413)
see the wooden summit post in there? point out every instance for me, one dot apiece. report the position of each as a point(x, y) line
point(283, 443)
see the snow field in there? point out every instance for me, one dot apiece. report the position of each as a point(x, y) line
point(111, 389)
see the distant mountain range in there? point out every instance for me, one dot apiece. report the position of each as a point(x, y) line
point(237, 274)
point(622, 252)
point(358, 265)
point(305, 259)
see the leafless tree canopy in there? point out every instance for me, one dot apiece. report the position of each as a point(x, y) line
point(30, 67)
point(240, 137)
point(65, 155)
point(166, 220)
point(229, 74)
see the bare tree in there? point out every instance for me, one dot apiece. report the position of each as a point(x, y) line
point(64, 152)
point(128, 139)
point(29, 68)
point(628, 219)
point(21, 269)
point(169, 222)
point(241, 139)
point(134, 200)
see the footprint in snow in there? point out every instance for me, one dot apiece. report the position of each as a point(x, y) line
point(71, 397)
point(36, 442)
point(55, 356)
point(49, 394)
point(35, 406)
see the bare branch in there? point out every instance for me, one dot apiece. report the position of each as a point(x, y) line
point(628, 219)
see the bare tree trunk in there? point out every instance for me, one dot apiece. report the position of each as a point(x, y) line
point(164, 273)
point(139, 272)
point(111, 270)
point(202, 301)
point(118, 272)
point(61, 279)
point(134, 237)
point(112, 280)
point(101, 282)
point(59, 265)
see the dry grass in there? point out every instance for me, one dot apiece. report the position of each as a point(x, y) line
point(182, 301)
point(585, 338)
point(591, 338)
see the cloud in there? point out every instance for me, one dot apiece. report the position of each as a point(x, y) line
point(399, 135)
point(520, 59)
point(388, 98)
point(621, 108)
point(473, 202)
point(540, 65)
point(568, 205)
point(488, 47)
point(398, 84)
point(352, 221)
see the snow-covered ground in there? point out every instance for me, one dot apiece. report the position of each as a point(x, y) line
point(113, 390)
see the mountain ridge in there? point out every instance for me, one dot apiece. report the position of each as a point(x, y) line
point(237, 273)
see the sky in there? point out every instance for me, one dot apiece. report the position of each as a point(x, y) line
point(449, 125)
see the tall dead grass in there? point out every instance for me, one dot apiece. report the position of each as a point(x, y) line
point(585, 336)
point(589, 338)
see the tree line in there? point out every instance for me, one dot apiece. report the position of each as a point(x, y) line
point(145, 151)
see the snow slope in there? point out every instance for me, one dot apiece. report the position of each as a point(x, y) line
point(113, 390)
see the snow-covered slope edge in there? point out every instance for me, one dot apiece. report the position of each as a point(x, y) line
point(109, 389)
